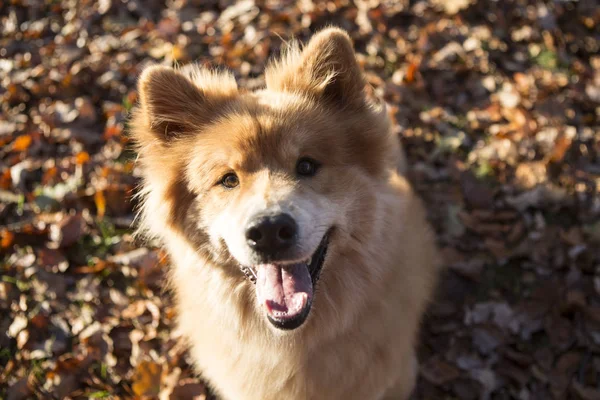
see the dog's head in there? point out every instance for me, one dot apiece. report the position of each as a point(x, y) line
point(277, 181)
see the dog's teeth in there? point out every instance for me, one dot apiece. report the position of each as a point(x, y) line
point(309, 261)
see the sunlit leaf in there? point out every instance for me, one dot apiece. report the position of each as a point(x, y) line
point(5, 179)
point(49, 174)
point(560, 149)
point(82, 158)
point(6, 238)
point(112, 131)
point(100, 201)
point(146, 379)
point(410, 72)
point(22, 143)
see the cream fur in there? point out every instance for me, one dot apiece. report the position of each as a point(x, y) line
point(381, 267)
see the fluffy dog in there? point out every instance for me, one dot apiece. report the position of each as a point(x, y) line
point(302, 260)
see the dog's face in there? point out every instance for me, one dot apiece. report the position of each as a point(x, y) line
point(274, 180)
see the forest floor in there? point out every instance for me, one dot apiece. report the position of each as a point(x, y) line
point(496, 102)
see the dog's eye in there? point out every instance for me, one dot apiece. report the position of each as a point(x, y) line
point(307, 167)
point(230, 180)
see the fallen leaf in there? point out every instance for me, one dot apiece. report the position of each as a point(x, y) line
point(478, 194)
point(100, 201)
point(68, 231)
point(410, 72)
point(5, 179)
point(146, 379)
point(561, 146)
point(438, 371)
point(487, 339)
point(6, 238)
point(188, 389)
point(112, 132)
point(586, 392)
point(22, 143)
point(20, 390)
point(82, 158)
point(52, 259)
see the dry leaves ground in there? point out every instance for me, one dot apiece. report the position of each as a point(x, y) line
point(496, 102)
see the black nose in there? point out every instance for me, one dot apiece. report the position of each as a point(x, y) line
point(270, 234)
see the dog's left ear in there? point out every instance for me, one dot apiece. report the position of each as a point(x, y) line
point(326, 68)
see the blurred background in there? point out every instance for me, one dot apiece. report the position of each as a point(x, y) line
point(496, 102)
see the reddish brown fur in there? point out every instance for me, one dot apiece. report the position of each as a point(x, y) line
point(192, 127)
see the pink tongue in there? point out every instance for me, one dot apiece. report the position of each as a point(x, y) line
point(284, 292)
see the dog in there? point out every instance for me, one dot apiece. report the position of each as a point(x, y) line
point(302, 260)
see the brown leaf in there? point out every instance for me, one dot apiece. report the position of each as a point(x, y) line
point(87, 112)
point(560, 332)
point(49, 175)
point(477, 193)
point(5, 179)
point(39, 321)
point(19, 390)
point(438, 371)
point(586, 392)
point(68, 231)
point(117, 199)
point(146, 379)
point(593, 313)
point(65, 385)
point(568, 363)
point(52, 259)
point(189, 389)
point(560, 148)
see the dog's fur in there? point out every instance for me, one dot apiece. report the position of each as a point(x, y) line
point(193, 126)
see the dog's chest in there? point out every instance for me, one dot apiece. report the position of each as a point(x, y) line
point(256, 369)
point(237, 353)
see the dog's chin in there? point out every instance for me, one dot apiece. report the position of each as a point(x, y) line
point(285, 289)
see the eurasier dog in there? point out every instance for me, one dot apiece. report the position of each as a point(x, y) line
point(302, 259)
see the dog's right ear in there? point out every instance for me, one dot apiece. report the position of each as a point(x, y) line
point(326, 69)
point(175, 103)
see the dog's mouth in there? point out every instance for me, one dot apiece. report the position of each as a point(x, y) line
point(286, 290)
